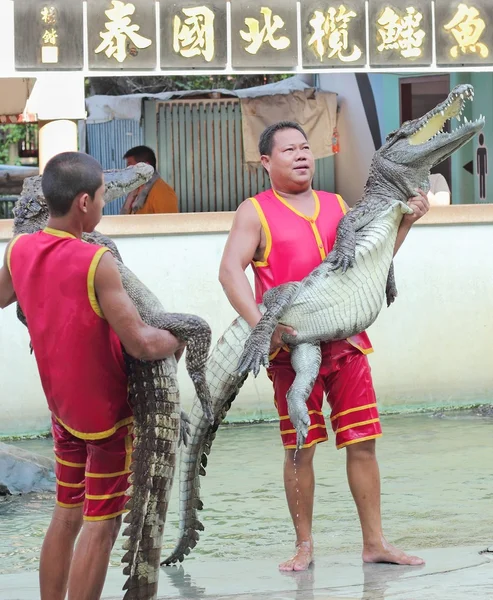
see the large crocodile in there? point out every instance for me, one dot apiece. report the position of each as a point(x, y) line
point(331, 303)
point(153, 392)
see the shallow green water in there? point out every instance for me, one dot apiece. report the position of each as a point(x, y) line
point(437, 490)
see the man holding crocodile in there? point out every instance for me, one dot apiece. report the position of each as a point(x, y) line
point(285, 233)
point(79, 318)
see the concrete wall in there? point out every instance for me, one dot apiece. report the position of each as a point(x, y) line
point(432, 347)
point(356, 144)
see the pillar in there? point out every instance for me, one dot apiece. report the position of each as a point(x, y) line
point(54, 137)
point(58, 100)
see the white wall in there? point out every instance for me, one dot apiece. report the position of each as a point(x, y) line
point(356, 143)
point(432, 347)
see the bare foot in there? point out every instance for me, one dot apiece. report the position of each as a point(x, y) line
point(386, 553)
point(301, 560)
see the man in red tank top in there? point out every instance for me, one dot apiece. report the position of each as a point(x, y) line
point(79, 317)
point(284, 233)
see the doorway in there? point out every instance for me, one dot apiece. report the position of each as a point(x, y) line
point(418, 95)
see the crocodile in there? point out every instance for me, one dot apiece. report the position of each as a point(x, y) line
point(341, 297)
point(159, 425)
point(24, 472)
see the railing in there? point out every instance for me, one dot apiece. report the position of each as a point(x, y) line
point(7, 204)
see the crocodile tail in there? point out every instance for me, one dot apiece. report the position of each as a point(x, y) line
point(224, 385)
point(153, 394)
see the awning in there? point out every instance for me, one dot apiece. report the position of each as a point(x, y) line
point(45, 98)
point(14, 94)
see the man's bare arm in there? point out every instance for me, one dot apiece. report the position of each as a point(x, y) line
point(243, 243)
point(139, 339)
point(7, 293)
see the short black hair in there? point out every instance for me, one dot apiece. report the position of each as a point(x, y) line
point(66, 176)
point(481, 139)
point(142, 154)
point(266, 142)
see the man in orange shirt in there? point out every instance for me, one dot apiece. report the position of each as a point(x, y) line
point(156, 196)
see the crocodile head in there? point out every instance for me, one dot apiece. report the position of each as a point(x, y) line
point(119, 182)
point(410, 152)
point(31, 210)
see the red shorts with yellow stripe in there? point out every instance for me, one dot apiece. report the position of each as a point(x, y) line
point(345, 378)
point(93, 473)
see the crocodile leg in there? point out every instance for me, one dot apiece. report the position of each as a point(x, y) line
point(391, 289)
point(305, 360)
point(343, 253)
point(197, 334)
point(257, 346)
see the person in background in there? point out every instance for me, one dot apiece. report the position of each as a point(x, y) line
point(154, 197)
point(439, 193)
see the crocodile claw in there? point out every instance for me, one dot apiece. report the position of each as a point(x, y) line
point(204, 395)
point(391, 296)
point(184, 429)
point(301, 439)
point(253, 358)
point(301, 421)
point(341, 261)
point(252, 363)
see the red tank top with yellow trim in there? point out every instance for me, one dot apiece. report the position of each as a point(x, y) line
point(79, 356)
point(296, 243)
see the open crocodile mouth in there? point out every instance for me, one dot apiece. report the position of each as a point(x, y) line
point(434, 124)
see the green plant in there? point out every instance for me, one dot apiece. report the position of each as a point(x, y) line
point(10, 134)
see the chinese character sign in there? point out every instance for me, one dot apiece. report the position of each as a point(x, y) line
point(48, 35)
point(49, 49)
point(264, 34)
point(193, 34)
point(334, 33)
point(464, 32)
point(121, 34)
point(400, 32)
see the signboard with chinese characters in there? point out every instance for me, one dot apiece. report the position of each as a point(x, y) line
point(121, 34)
point(333, 33)
point(400, 33)
point(264, 34)
point(234, 36)
point(464, 32)
point(193, 34)
point(48, 35)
